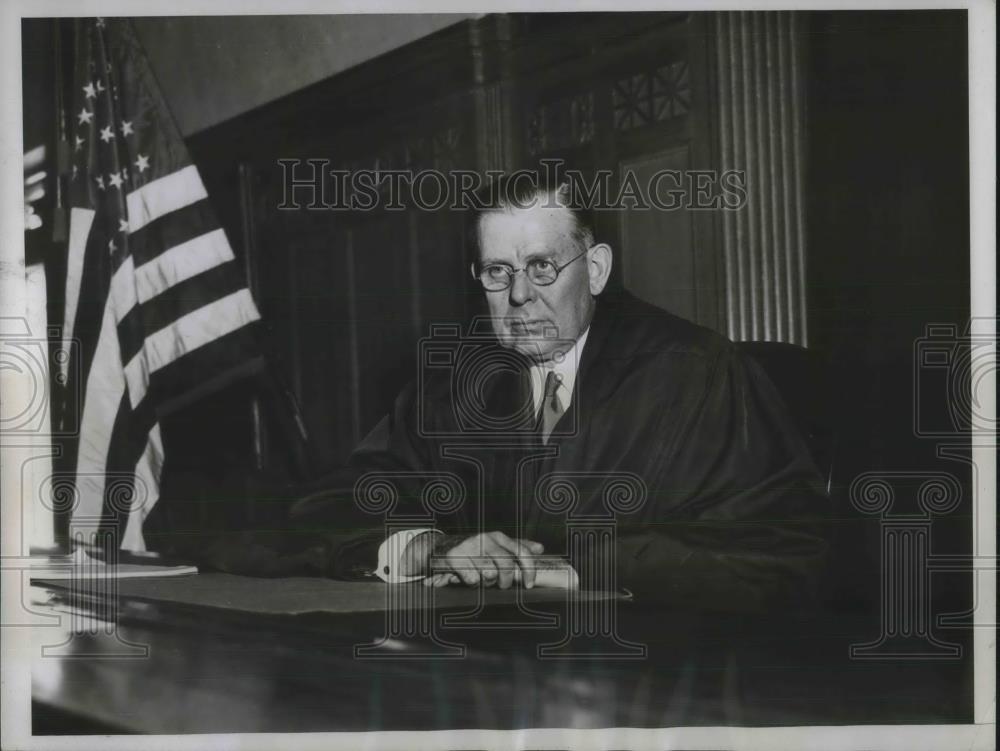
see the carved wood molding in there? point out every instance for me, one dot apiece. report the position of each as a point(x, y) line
point(653, 96)
point(565, 123)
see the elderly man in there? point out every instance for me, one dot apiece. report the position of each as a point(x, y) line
point(603, 385)
point(581, 384)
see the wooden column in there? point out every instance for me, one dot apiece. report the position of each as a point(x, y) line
point(761, 111)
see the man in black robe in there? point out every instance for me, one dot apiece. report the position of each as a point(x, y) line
point(676, 449)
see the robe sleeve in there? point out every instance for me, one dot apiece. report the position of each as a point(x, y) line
point(349, 535)
point(745, 526)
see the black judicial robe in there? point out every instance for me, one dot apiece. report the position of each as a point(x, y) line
point(673, 438)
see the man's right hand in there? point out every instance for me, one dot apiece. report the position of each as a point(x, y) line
point(489, 559)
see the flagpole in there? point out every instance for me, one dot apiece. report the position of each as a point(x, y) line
point(61, 460)
point(37, 465)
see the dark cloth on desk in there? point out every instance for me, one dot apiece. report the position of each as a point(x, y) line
point(733, 506)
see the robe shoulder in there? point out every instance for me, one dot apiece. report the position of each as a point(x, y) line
point(637, 330)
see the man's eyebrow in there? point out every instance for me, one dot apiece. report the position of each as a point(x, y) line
point(547, 255)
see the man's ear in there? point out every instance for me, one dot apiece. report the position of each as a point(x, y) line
point(599, 267)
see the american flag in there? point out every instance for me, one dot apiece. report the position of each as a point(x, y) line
point(155, 300)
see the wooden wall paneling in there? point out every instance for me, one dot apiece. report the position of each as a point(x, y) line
point(352, 381)
point(658, 249)
point(492, 92)
point(383, 304)
point(248, 190)
point(325, 338)
point(279, 239)
point(364, 284)
point(564, 68)
point(651, 104)
point(348, 295)
point(408, 264)
point(311, 264)
point(301, 284)
point(614, 92)
point(444, 280)
point(709, 258)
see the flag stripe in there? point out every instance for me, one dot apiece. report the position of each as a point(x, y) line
point(200, 327)
point(132, 287)
point(147, 475)
point(186, 334)
point(124, 296)
point(102, 399)
point(95, 288)
point(206, 370)
point(129, 438)
point(182, 262)
point(166, 194)
point(80, 221)
point(177, 301)
point(175, 228)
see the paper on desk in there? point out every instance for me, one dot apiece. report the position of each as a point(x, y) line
point(301, 595)
point(81, 566)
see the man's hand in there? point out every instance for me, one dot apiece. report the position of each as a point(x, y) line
point(488, 559)
point(551, 572)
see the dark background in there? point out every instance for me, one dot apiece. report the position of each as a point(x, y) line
point(346, 296)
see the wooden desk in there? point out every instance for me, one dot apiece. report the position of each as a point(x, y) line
point(196, 668)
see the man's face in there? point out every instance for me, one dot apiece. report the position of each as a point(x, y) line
point(523, 314)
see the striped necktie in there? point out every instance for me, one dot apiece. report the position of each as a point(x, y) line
point(552, 408)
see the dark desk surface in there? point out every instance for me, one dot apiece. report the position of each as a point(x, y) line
point(175, 664)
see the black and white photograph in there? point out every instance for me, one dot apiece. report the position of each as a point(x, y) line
point(498, 377)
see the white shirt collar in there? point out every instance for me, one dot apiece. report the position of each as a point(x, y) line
point(566, 368)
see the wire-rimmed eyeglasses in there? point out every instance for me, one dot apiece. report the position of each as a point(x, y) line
point(540, 271)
